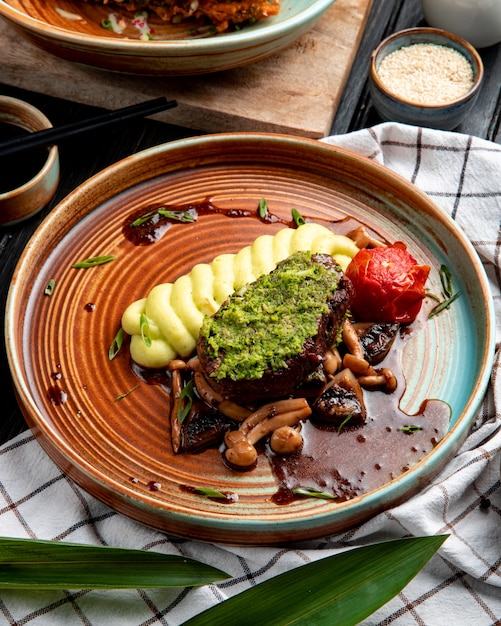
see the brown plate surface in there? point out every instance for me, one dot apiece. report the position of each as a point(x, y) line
point(120, 450)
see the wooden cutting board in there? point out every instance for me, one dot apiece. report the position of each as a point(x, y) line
point(296, 91)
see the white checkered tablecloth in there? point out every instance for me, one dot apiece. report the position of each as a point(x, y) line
point(461, 585)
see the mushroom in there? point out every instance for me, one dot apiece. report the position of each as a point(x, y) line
point(364, 239)
point(341, 400)
point(351, 340)
point(383, 379)
point(376, 339)
point(213, 398)
point(285, 413)
point(332, 361)
point(286, 440)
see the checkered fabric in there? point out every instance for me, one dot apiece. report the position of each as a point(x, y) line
point(460, 586)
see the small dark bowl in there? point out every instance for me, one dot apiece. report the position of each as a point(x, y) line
point(34, 191)
point(392, 107)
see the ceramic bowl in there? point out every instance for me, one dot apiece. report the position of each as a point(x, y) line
point(35, 190)
point(393, 107)
point(108, 429)
point(72, 30)
point(478, 21)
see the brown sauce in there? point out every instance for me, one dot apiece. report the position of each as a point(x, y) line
point(146, 226)
point(352, 461)
point(56, 395)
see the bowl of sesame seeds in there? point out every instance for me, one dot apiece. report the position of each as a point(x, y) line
point(425, 77)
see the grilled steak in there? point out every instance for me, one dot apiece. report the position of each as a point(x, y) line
point(266, 338)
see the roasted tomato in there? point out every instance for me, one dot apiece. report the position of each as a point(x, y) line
point(388, 284)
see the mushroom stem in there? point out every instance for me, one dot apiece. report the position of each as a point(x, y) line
point(207, 393)
point(352, 341)
point(384, 378)
point(267, 426)
point(271, 410)
point(332, 361)
point(364, 239)
point(175, 426)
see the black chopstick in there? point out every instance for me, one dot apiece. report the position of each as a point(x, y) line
point(51, 136)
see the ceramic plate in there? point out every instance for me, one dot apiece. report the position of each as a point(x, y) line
point(120, 450)
point(72, 30)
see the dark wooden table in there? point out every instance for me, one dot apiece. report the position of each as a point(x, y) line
point(95, 151)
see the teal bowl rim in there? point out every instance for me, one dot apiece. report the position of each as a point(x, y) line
point(261, 33)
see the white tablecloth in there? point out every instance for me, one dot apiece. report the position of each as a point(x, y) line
point(461, 585)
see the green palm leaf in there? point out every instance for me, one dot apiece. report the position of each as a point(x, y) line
point(340, 590)
point(33, 564)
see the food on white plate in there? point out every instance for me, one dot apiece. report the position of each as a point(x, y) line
point(172, 313)
point(223, 14)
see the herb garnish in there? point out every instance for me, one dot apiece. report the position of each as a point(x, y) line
point(446, 281)
point(444, 305)
point(345, 421)
point(313, 493)
point(185, 402)
point(207, 492)
point(410, 429)
point(49, 289)
point(144, 325)
point(178, 216)
point(262, 208)
point(116, 344)
point(93, 261)
point(124, 395)
point(297, 218)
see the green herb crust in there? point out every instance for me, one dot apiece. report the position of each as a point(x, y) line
point(268, 322)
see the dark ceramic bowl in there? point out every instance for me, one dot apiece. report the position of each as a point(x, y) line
point(34, 185)
point(392, 107)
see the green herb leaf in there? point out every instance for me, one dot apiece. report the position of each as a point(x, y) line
point(207, 492)
point(144, 325)
point(177, 216)
point(443, 305)
point(297, 218)
point(49, 288)
point(185, 402)
point(342, 589)
point(345, 421)
point(124, 395)
point(93, 261)
point(116, 344)
point(34, 564)
point(263, 208)
point(313, 493)
point(410, 429)
point(446, 280)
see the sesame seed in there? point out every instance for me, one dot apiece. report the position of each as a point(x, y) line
point(426, 74)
